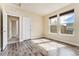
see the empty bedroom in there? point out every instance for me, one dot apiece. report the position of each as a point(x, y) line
point(39, 29)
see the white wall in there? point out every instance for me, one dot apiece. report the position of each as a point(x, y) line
point(13, 29)
point(64, 38)
point(10, 26)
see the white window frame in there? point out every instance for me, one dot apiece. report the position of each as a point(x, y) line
point(50, 24)
point(59, 26)
point(73, 27)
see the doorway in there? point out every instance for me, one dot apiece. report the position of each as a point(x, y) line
point(0, 33)
point(13, 29)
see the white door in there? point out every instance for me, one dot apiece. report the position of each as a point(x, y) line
point(26, 28)
point(5, 31)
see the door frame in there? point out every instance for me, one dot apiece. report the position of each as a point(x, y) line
point(8, 25)
point(1, 31)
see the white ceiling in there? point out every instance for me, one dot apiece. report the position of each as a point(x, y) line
point(42, 8)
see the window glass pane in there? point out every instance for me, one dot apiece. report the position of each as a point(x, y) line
point(53, 25)
point(67, 22)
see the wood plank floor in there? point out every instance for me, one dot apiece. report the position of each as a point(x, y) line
point(28, 48)
point(21, 49)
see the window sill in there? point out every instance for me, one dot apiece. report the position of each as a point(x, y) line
point(72, 35)
point(66, 34)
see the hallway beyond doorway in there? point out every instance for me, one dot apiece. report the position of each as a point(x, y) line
point(13, 40)
point(13, 29)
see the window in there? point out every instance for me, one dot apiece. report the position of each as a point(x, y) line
point(66, 22)
point(53, 24)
